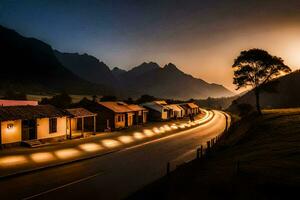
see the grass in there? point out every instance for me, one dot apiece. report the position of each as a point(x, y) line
point(267, 149)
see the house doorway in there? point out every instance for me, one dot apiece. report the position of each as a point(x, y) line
point(29, 130)
point(79, 124)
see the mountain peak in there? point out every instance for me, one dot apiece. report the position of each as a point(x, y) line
point(149, 65)
point(170, 66)
point(117, 71)
point(143, 68)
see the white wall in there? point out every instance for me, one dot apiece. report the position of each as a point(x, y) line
point(43, 128)
point(164, 115)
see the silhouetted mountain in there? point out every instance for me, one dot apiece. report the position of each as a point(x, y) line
point(286, 94)
point(141, 69)
point(87, 67)
point(117, 72)
point(29, 65)
point(169, 82)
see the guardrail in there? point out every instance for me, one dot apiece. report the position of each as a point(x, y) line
point(202, 151)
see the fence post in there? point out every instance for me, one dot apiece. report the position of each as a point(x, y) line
point(201, 151)
point(238, 167)
point(168, 168)
point(198, 153)
point(208, 146)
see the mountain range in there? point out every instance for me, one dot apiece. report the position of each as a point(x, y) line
point(32, 66)
point(29, 65)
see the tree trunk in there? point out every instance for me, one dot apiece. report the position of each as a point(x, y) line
point(257, 93)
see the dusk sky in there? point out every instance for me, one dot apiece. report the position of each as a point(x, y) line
point(201, 37)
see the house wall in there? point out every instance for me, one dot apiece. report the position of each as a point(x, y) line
point(11, 135)
point(43, 128)
point(164, 115)
point(119, 124)
point(145, 117)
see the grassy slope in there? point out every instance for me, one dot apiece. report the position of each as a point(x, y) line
point(268, 149)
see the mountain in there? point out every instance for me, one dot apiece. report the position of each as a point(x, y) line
point(286, 94)
point(87, 67)
point(117, 72)
point(168, 82)
point(30, 65)
point(140, 70)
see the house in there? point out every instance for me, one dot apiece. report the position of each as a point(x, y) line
point(178, 112)
point(158, 110)
point(194, 108)
point(187, 109)
point(182, 110)
point(140, 114)
point(80, 122)
point(25, 123)
point(115, 115)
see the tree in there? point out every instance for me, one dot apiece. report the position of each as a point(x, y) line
point(108, 98)
point(62, 100)
point(12, 95)
point(145, 98)
point(256, 68)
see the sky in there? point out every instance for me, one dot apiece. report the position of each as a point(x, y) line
point(201, 37)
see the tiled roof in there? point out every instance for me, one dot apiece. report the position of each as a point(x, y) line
point(192, 105)
point(174, 107)
point(17, 103)
point(30, 112)
point(80, 112)
point(118, 107)
point(162, 102)
point(135, 107)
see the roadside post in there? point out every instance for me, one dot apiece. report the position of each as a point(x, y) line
point(168, 168)
point(198, 153)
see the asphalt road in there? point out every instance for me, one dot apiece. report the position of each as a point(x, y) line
point(116, 175)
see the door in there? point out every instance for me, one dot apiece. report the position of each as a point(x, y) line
point(79, 124)
point(29, 130)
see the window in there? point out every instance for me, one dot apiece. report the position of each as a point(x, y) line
point(52, 125)
point(119, 118)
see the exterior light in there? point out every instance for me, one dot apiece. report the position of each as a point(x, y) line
point(10, 126)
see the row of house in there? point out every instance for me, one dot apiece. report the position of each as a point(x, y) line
point(21, 122)
point(160, 110)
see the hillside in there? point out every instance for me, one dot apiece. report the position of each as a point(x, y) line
point(169, 82)
point(221, 103)
point(286, 95)
point(87, 67)
point(29, 65)
point(267, 148)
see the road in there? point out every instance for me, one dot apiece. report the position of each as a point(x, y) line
point(116, 175)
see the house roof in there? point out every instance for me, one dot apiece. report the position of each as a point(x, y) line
point(180, 107)
point(80, 112)
point(17, 103)
point(162, 102)
point(155, 106)
point(30, 112)
point(184, 106)
point(174, 107)
point(135, 107)
point(118, 107)
point(192, 105)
